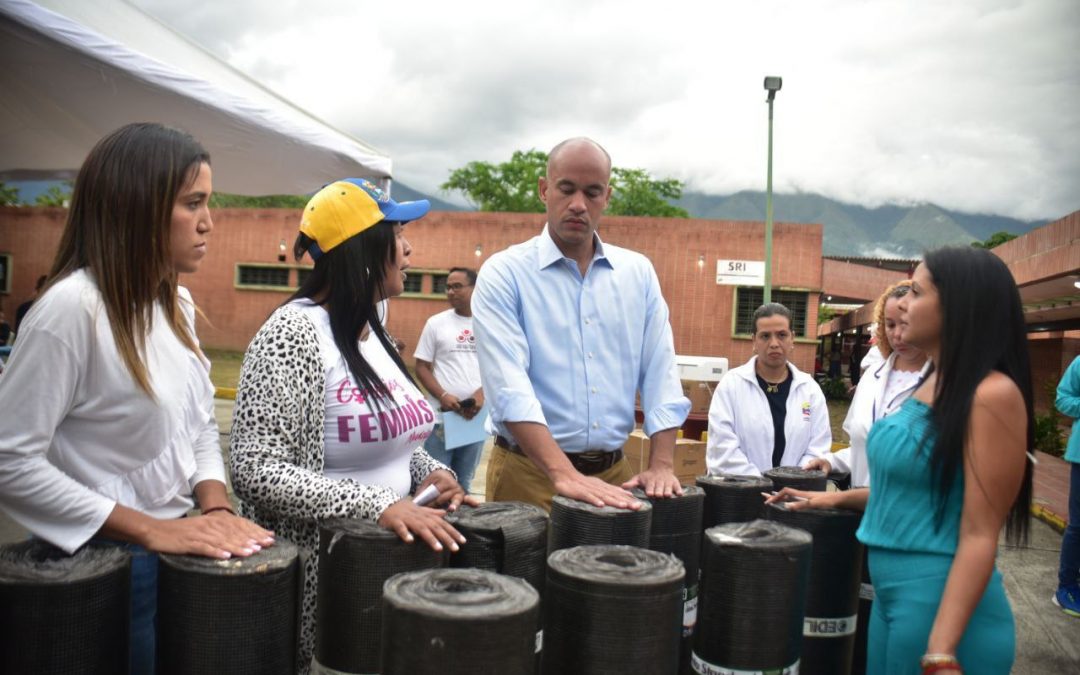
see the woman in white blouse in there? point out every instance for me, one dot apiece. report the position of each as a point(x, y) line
point(106, 408)
point(883, 387)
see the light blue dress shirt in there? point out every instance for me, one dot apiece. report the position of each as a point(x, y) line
point(571, 352)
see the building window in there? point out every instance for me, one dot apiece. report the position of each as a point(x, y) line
point(438, 283)
point(5, 272)
point(747, 300)
point(414, 283)
point(261, 275)
point(302, 274)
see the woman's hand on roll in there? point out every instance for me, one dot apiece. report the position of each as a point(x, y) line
point(218, 535)
point(451, 494)
point(410, 521)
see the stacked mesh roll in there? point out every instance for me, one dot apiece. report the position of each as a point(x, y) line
point(676, 529)
point(505, 537)
point(753, 596)
point(575, 523)
point(832, 598)
point(612, 609)
point(229, 616)
point(458, 622)
point(509, 538)
point(61, 613)
point(794, 477)
point(356, 557)
point(732, 499)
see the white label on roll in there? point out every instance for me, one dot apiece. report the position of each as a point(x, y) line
point(840, 626)
point(705, 668)
point(689, 616)
point(539, 640)
point(866, 591)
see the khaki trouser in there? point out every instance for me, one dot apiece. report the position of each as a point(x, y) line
point(514, 477)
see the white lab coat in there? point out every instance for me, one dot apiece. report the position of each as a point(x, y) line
point(867, 407)
point(741, 427)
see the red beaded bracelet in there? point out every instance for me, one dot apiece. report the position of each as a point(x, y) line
point(218, 508)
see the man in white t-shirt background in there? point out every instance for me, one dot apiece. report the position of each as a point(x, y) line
point(447, 366)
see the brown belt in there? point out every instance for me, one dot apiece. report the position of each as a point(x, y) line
point(590, 462)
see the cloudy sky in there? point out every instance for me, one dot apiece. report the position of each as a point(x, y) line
point(971, 104)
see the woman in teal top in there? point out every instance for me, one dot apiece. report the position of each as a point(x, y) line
point(947, 471)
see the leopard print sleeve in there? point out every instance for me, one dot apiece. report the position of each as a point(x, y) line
point(421, 464)
point(277, 448)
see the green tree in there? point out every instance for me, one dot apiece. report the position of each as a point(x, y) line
point(57, 195)
point(511, 187)
point(9, 195)
point(636, 193)
point(996, 239)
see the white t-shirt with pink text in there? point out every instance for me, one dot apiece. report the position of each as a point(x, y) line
point(371, 444)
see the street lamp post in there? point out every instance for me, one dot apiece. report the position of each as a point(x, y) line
point(772, 85)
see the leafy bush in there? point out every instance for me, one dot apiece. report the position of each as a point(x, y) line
point(1048, 436)
point(834, 388)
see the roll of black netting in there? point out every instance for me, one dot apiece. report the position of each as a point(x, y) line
point(356, 557)
point(505, 537)
point(732, 499)
point(676, 529)
point(862, 631)
point(508, 538)
point(229, 616)
point(63, 613)
point(753, 595)
point(575, 523)
point(795, 477)
point(832, 598)
point(612, 609)
point(458, 622)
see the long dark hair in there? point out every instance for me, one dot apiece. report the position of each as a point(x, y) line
point(982, 329)
point(346, 281)
point(118, 228)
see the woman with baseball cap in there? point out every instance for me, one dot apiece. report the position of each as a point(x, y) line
point(328, 422)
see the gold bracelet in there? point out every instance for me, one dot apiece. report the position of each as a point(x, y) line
point(939, 661)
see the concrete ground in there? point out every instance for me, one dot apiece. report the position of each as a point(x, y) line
point(1048, 641)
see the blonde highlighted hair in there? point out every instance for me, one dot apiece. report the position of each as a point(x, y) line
point(897, 291)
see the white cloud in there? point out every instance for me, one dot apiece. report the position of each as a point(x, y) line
point(968, 105)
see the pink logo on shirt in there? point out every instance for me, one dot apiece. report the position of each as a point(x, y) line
point(466, 336)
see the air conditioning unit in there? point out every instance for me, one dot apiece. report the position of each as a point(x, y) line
point(701, 368)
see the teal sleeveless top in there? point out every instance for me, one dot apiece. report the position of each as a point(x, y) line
point(902, 509)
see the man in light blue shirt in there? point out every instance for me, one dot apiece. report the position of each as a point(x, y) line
point(569, 329)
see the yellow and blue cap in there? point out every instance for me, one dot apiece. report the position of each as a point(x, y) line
point(345, 208)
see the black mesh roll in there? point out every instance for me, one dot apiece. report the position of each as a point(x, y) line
point(509, 538)
point(862, 631)
point(753, 595)
point(229, 616)
point(794, 477)
point(732, 499)
point(505, 537)
point(676, 529)
point(356, 557)
point(61, 613)
point(832, 597)
point(612, 609)
point(575, 523)
point(458, 622)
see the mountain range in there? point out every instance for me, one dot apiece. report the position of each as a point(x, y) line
point(885, 231)
point(888, 231)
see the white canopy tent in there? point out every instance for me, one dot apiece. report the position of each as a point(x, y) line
point(72, 71)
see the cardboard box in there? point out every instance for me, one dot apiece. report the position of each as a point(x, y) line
point(689, 462)
point(700, 395)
